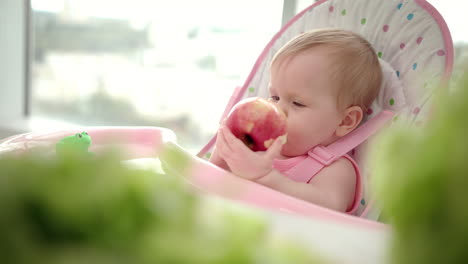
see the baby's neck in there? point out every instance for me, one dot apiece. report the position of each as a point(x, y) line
point(281, 157)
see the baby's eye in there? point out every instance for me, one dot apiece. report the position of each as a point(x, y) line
point(298, 104)
point(274, 98)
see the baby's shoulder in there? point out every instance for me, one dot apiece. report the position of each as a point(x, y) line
point(341, 168)
point(339, 180)
point(344, 162)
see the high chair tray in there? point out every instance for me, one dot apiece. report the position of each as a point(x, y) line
point(337, 236)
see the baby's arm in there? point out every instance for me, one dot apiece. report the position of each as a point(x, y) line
point(333, 187)
point(217, 160)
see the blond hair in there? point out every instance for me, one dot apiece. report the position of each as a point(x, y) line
point(355, 63)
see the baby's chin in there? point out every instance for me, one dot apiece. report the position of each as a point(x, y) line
point(290, 151)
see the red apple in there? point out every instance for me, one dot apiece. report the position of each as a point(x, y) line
point(256, 122)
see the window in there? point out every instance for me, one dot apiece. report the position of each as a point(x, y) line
point(145, 62)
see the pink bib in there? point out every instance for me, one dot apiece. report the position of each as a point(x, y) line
point(304, 168)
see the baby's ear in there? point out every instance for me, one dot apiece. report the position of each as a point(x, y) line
point(352, 117)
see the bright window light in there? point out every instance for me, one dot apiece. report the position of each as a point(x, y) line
point(145, 62)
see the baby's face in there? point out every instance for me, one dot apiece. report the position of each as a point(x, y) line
point(303, 88)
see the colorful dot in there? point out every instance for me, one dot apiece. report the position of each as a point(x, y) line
point(343, 12)
point(416, 110)
point(363, 202)
point(419, 40)
point(208, 155)
point(251, 89)
point(331, 8)
point(410, 16)
point(395, 118)
point(398, 73)
point(379, 54)
point(402, 45)
point(415, 65)
point(385, 28)
point(392, 101)
point(399, 6)
point(363, 21)
point(370, 111)
point(441, 52)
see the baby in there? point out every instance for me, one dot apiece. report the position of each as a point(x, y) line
point(324, 81)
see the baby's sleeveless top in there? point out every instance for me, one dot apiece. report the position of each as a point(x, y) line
point(304, 168)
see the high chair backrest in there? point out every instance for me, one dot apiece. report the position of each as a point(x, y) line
point(409, 36)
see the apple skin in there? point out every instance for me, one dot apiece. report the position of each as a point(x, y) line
point(256, 122)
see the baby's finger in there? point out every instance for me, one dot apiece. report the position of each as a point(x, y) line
point(222, 142)
point(234, 143)
point(275, 149)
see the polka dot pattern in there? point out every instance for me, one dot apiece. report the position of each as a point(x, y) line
point(385, 28)
point(410, 16)
point(419, 40)
point(251, 89)
point(441, 53)
point(343, 12)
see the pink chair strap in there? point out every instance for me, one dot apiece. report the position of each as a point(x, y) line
point(305, 170)
point(359, 135)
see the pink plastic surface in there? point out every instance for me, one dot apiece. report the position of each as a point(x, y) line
point(448, 43)
point(138, 142)
point(212, 179)
point(144, 142)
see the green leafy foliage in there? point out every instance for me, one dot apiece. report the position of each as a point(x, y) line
point(422, 181)
point(80, 208)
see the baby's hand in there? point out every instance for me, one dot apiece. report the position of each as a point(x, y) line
point(243, 161)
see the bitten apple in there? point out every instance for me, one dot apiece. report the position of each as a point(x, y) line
point(256, 122)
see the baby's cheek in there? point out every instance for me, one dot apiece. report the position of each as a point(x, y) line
point(294, 125)
point(294, 140)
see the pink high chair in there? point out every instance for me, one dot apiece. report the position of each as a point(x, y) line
point(415, 47)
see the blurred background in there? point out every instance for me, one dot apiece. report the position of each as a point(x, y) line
point(142, 62)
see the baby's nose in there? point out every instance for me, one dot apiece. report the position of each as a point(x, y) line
point(282, 107)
